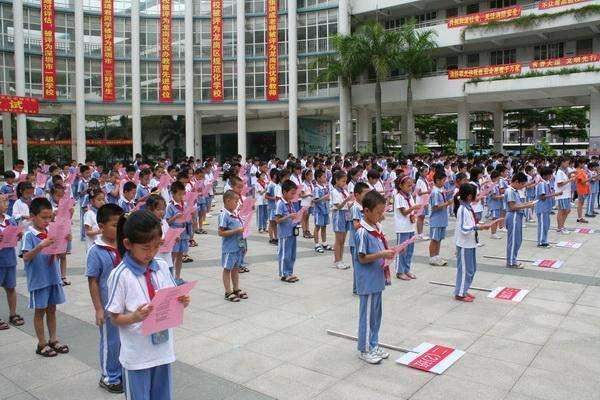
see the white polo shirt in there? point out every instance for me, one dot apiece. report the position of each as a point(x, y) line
point(561, 176)
point(402, 222)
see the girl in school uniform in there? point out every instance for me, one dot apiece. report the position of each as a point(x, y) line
point(466, 238)
point(157, 205)
point(306, 200)
point(514, 219)
point(321, 212)
point(340, 202)
point(271, 197)
point(20, 211)
point(262, 212)
point(544, 193)
point(438, 221)
point(146, 360)
point(92, 230)
point(405, 207)
point(423, 188)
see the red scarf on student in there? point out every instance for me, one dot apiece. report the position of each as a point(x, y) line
point(44, 236)
point(386, 268)
point(148, 278)
point(116, 256)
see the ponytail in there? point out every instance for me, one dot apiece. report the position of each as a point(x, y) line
point(138, 227)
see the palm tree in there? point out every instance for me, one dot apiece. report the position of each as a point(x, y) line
point(379, 50)
point(414, 59)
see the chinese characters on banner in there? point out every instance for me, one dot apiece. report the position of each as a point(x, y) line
point(165, 90)
point(272, 51)
point(543, 5)
point(19, 105)
point(216, 54)
point(484, 17)
point(481, 72)
point(565, 61)
point(108, 51)
point(48, 50)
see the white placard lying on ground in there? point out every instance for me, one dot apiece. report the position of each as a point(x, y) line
point(431, 357)
point(510, 294)
point(584, 230)
point(569, 245)
point(554, 264)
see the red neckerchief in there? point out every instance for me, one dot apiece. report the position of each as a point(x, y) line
point(341, 190)
point(178, 206)
point(116, 259)
point(261, 183)
point(148, 276)
point(44, 236)
point(386, 268)
point(289, 207)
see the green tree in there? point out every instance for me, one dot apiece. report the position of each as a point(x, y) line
point(415, 60)
point(483, 126)
point(441, 128)
point(524, 119)
point(568, 122)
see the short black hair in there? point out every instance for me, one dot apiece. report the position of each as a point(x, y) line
point(467, 190)
point(128, 186)
point(287, 186)
point(439, 175)
point(154, 200)
point(360, 187)
point(177, 187)
point(229, 195)
point(38, 205)
point(9, 175)
point(519, 177)
point(108, 211)
point(372, 200)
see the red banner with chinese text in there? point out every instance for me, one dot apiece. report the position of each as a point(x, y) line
point(165, 81)
point(544, 5)
point(108, 51)
point(484, 17)
point(216, 53)
point(48, 50)
point(19, 105)
point(565, 61)
point(66, 142)
point(481, 72)
point(272, 51)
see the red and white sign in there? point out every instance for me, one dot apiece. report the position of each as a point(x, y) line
point(554, 264)
point(216, 53)
point(584, 230)
point(510, 294)
point(482, 72)
point(569, 245)
point(566, 61)
point(108, 51)
point(431, 358)
point(544, 5)
point(272, 51)
point(485, 17)
point(48, 50)
point(19, 105)
point(165, 90)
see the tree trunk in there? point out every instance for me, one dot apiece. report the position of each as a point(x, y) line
point(410, 120)
point(378, 132)
point(353, 144)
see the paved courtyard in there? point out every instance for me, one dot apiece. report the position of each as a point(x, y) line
point(275, 345)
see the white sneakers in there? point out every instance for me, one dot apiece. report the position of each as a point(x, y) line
point(340, 265)
point(437, 261)
point(496, 236)
point(502, 230)
point(374, 356)
point(381, 353)
point(564, 231)
point(423, 237)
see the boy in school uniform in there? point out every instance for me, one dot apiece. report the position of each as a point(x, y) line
point(126, 202)
point(143, 188)
point(8, 189)
point(438, 219)
point(8, 269)
point(321, 211)
point(43, 278)
point(544, 194)
point(287, 231)
point(102, 258)
point(514, 219)
point(175, 219)
point(370, 255)
point(356, 214)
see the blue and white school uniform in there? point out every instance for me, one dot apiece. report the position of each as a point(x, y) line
point(101, 260)
point(182, 245)
point(592, 198)
point(438, 220)
point(126, 205)
point(141, 192)
point(8, 259)
point(20, 210)
point(286, 233)
point(272, 202)
point(262, 211)
point(405, 229)
point(494, 205)
point(477, 205)
point(465, 237)
point(423, 187)
point(109, 189)
point(232, 247)
point(43, 274)
point(89, 219)
point(321, 210)
point(502, 186)
point(9, 190)
point(82, 188)
point(307, 201)
point(514, 225)
point(563, 201)
point(297, 179)
point(339, 215)
point(370, 283)
point(146, 360)
point(543, 208)
point(356, 213)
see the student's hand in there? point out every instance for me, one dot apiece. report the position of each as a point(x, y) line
point(46, 243)
point(558, 193)
point(185, 300)
point(99, 318)
point(70, 237)
point(239, 230)
point(389, 254)
point(142, 312)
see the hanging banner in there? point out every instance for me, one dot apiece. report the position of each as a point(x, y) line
point(108, 51)
point(216, 54)
point(19, 105)
point(272, 51)
point(544, 5)
point(565, 61)
point(481, 72)
point(67, 142)
point(48, 50)
point(485, 17)
point(165, 81)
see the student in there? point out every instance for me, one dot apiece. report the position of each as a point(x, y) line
point(8, 269)
point(563, 182)
point(271, 203)
point(92, 229)
point(494, 202)
point(593, 175)
point(582, 185)
point(57, 193)
point(233, 246)
point(421, 192)
point(126, 202)
point(287, 231)
point(405, 207)
point(143, 188)
point(356, 213)
point(514, 219)
point(20, 211)
point(199, 186)
point(340, 202)
point(371, 250)
point(544, 194)
point(306, 200)
point(438, 220)
point(175, 219)
point(112, 187)
point(85, 174)
point(321, 211)
point(8, 189)
point(102, 258)
point(43, 278)
point(157, 205)
point(146, 360)
point(262, 210)
point(466, 238)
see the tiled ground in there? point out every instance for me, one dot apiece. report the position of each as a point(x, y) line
point(275, 345)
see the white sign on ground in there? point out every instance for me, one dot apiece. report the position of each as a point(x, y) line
point(431, 358)
point(569, 245)
point(554, 264)
point(584, 230)
point(510, 294)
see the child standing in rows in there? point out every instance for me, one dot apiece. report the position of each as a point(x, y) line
point(438, 221)
point(340, 202)
point(356, 214)
point(8, 269)
point(404, 217)
point(514, 219)
point(321, 212)
point(287, 232)
point(175, 219)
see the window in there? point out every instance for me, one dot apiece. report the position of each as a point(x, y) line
point(315, 30)
point(395, 23)
point(202, 38)
point(149, 80)
point(452, 62)
point(93, 80)
point(6, 27)
point(472, 8)
point(499, 57)
point(473, 60)
point(308, 70)
point(452, 12)
point(255, 6)
point(7, 73)
point(255, 36)
point(314, 3)
point(33, 75)
point(502, 3)
point(255, 79)
point(547, 51)
point(584, 46)
point(428, 16)
point(202, 81)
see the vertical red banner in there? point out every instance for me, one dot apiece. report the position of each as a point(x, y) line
point(216, 54)
point(48, 50)
point(108, 51)
point(272, 51)
point(165, 90)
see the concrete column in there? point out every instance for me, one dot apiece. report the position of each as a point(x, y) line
point(281, 144)
point(404, 139)
point(198, 135)
point(365, 130)
point(346, 132)
point(498, 129)
point(218, 147)
point(594, 143)
point(293, 76)
point(79, 83)
point(241, 79)
point(136, 90)
point(7, 141)
point(463, 135)
point(189, 78)
point(20, 79)
point(73, 136)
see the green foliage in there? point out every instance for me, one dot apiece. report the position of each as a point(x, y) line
point(422, 149)
point(533, 74)
point(441, 128)
point(568, 122)
point(416, 49)
point(109, 155)
point(483, 126)
point(541, 149)
point(58, 154)
point(347, 63)
point(152, 151)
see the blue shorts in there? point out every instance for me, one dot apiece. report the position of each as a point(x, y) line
point(44, 297)
point(8, 277)
point(437, 234)
point(231, 260)
point(182, 245)
point(563, 204)
point(479, 215)
point(495, 213)
point(321, 219)
point(271, 212)
point(339, 222)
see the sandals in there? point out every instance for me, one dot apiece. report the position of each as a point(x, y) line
point(45, 351)
point(240, 294)
point(583, 221)
point(193, 243)
point(202, 232)
point(3, 325)
point(290, 279)
point(232, 297)
point(404, 277)
point(308, 235)
point(65, 281)
point(15, 320)
point(59, 347)
point(243, 270)
point(327, 247)
point(187, 259)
